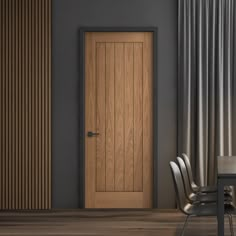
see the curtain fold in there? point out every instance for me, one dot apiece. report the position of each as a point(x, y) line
point(206, 83)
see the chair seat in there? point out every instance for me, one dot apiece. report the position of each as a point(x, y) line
point(209, 189)
point(208, 198)
point(206, 209)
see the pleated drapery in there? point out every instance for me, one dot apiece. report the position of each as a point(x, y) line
point(206, 83)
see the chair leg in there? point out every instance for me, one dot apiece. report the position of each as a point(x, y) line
point(231, 224)
point(185, 224)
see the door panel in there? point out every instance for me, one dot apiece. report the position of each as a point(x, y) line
point(119, 116)
point(100, 116)
point(118, 81)
point(129, 116)
point(138, 118)
point(110, 117)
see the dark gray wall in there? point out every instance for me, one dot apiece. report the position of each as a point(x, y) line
point(68, 17)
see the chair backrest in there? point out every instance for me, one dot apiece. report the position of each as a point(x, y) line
point(189, 169)
point(183, 169)
point(179, 186)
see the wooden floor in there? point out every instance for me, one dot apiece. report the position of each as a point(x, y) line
point(110, 222)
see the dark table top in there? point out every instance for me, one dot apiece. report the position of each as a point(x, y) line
point(226, 166)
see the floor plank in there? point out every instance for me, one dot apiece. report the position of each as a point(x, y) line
point(104, 222)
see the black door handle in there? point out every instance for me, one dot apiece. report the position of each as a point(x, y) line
point(91, 134)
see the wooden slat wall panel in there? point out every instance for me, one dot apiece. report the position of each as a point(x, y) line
point(25, 104)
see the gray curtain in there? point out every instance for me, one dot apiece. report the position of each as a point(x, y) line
point(206, 83)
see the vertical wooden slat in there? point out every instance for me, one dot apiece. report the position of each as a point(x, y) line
point(49, 103)
point(1, 104)
point(138, 119)
point(129, 116)
point(25, 104)
point(46, 104)
point(13, 104)
point(119, 116)
point(39, 106)
point(36, 105)
point(43, 106)
point(4, 108)
point(17, 104)
point(7, 104)
point(10, 105)
point(33, 104)
point(100, 116)
point(20, 107)
point(1, 92)
point(110, 123)
point(30, 105)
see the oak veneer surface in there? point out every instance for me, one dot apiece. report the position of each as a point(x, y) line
point(109, 222)
point(119, 87)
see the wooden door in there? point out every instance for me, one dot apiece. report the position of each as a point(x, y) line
point(119, 112)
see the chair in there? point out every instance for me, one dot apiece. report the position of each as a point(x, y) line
point(194, 186)
point(195, 209)
point(199, 196)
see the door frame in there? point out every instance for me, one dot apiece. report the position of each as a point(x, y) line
point(81, 145)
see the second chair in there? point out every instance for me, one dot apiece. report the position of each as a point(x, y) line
point(197, 197)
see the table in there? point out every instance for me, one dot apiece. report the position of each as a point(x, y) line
point(226, 176)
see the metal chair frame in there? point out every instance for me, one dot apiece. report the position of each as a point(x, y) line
point(194, 209)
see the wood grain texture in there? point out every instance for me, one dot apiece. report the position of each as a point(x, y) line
point(119, 116)
point(118, 199)
point(100, 116)
point(129, 116)
point(119, 82)
point(107, 223)
point(119, 37)
point(138, 117)
point(147, 119)
point(25, 116)
point(110, 119)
